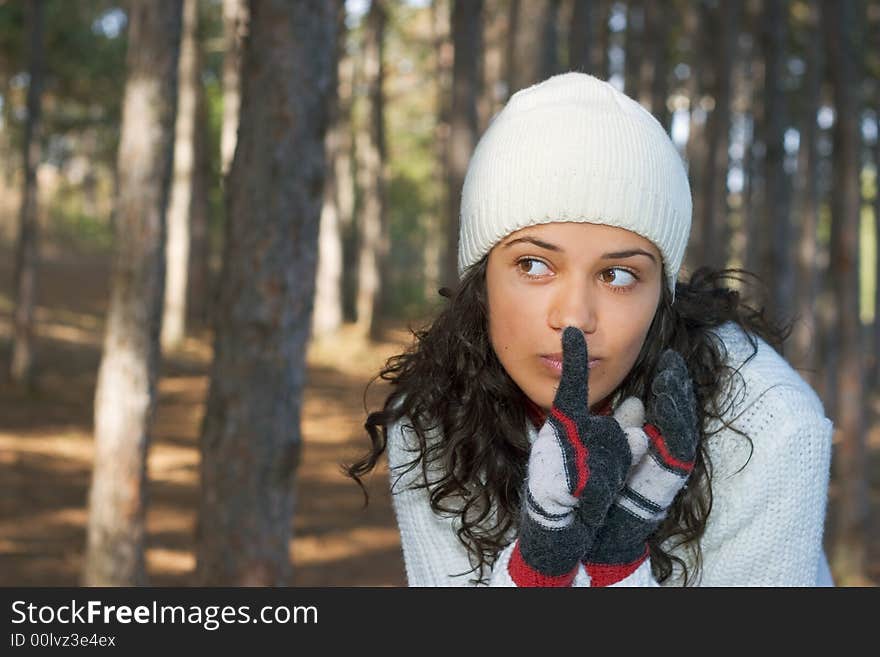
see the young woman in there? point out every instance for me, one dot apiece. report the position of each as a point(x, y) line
point(576, 416)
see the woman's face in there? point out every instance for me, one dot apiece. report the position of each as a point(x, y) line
point(601, 279)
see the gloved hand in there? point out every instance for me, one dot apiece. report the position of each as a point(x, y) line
point(577, 466)
point(673, 435)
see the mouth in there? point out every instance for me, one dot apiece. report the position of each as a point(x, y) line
point(554, 362)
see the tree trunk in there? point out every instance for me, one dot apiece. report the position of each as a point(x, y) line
point(493, 86)
point(741, 102)
point(327, 317)
point(251, 435)
point(754, 75)
point(601, 56)
point(650, 41)
point(550, 40)
point(829, 356)
point(806, 334)
point(437, 236)
point(345, 184)
point(875, 378)
point(528, 53)
point(467, 26)
point(580, 37)
point(694, 26)
point(235, 27)
point(749, 219)
point(373, 176)
point(26, 251)
point(510, 57)
point(7, 163)
point(723, 28)
point(848, 554)
point(775, 241)
point(177, 246)
point(655, 69)
point(125, 395)
point(199, 294)
point(635, 23)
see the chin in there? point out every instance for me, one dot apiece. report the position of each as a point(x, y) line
point(546, 401)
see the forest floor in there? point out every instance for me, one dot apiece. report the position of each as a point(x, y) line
point(46, 449)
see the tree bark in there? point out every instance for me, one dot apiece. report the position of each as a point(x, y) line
point(528, 52)
point(749, 230)
point(493, 91)
point(580, 37)
point(467, 29)
point(27, 252)
point(510, 57)
point(125, 395)
point(849, 559)
point(550, 40)
point(775, 241)
point(754, 74)
point(723, 26)
point(875, 376)
point(251, 435)
point(694, 26)
point(235, 27)
point(177, 246)
point(327, 317)
point(373, 179)
point(655, 68)
point(741, 105)
point(346, 186)
point(601, 56)
point(806, 333)
point(199, 293)
point(436, 231)
point(7, 166)
point(635, 24)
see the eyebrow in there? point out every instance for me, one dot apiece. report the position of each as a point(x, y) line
point(607, 256)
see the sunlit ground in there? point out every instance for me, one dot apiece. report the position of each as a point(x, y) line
point(46, 450)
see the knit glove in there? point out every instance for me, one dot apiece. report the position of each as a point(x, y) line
point(672, 435)
point(577, 466)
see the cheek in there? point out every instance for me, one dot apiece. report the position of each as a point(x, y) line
point(635, 325)
point(504, 321)
point(512, 324)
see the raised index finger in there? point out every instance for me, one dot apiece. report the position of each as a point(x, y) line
point(571, 396)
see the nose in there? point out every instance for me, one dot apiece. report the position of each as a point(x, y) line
point(573, 305)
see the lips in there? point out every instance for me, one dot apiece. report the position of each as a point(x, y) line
point(554, 362)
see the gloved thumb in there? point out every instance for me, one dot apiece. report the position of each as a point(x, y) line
point(630, 415)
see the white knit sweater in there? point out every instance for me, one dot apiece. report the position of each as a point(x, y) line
point(767, 518)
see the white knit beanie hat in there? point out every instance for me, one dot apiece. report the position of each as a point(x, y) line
point(573, 148)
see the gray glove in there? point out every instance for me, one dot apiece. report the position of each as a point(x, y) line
point(673, 436)
point(577, 466)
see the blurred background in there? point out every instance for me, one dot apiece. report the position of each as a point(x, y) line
point(219, 219)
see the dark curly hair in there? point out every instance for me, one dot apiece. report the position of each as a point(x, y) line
point(451, 380)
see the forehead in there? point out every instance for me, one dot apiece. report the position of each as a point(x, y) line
point(579, 236)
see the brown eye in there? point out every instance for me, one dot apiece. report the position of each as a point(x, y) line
point(622, 278)
point(531, 267)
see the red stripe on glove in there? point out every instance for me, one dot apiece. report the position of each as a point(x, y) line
point(604, 574)
point(659, 444)
point(580, 451)
point(524, 575)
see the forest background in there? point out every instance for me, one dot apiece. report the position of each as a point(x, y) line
point(219, 218)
